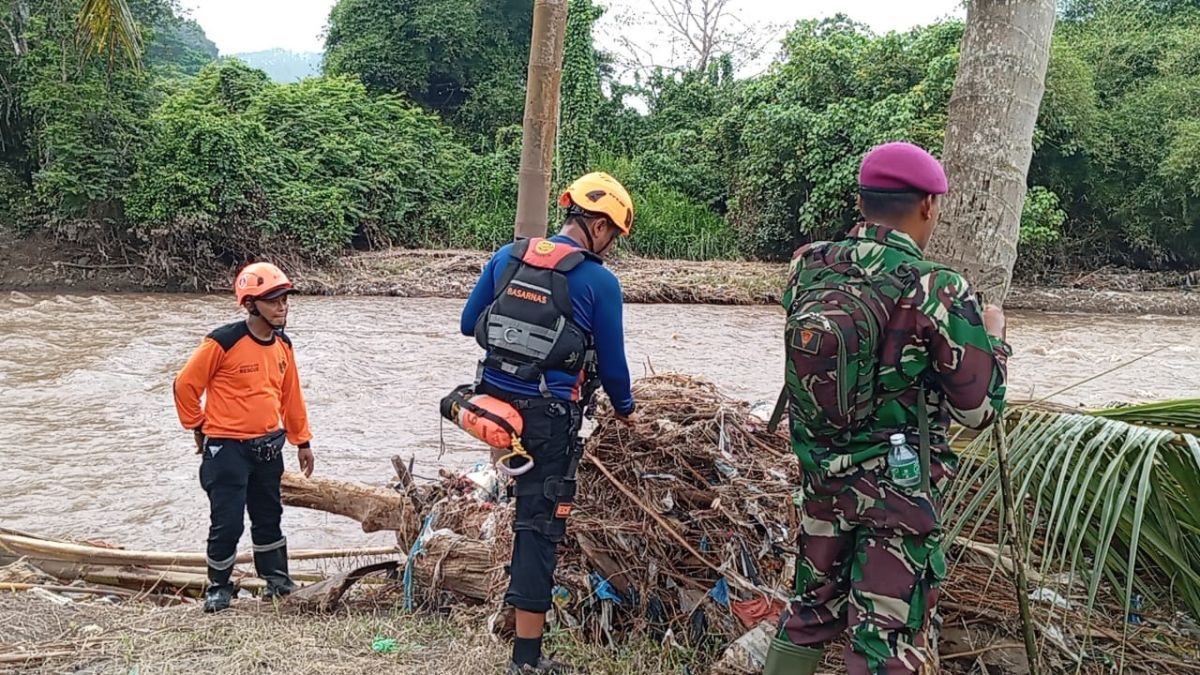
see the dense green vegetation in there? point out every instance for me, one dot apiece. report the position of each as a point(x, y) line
point(412, 135)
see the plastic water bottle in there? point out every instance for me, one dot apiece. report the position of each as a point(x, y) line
point(904, 467)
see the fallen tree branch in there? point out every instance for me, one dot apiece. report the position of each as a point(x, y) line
point(116, 266)
point(326, 594)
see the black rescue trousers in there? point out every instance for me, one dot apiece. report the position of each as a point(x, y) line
point(544, 495)
point(239, 477)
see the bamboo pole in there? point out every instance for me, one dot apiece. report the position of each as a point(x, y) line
point(541, 116)
point(83, 590)
point(21, 545)
point(1016, 543)
point(136, 578)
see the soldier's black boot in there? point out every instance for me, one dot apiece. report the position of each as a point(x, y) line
point(219, 593)
point(272, 567)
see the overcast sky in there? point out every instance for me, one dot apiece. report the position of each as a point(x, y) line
point(252, 25)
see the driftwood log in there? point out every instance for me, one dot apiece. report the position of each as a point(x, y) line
point(451, 562)
point(452, 557)
point(375, 507)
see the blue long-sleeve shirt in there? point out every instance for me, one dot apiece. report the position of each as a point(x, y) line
point(598, 308)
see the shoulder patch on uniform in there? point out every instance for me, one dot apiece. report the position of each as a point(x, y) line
point(227, 336)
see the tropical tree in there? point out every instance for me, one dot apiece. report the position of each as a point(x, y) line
point(989, 138)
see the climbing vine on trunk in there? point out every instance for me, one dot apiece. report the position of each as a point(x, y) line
point(581, 95)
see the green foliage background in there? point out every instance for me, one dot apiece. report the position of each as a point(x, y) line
point(411, 136)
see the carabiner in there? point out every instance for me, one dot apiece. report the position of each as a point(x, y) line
point(517, 451)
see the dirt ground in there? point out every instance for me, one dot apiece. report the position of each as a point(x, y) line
point(98, 637)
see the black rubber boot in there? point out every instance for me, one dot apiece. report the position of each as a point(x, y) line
point(272, 567)
point(545, 666)
point(219, 593)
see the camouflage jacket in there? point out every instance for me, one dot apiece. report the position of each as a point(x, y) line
point(935, 334)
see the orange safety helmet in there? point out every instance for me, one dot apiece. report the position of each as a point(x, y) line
point(601, 193)
point(261, 281)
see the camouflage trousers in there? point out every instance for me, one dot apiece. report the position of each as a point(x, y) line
point(870, 561)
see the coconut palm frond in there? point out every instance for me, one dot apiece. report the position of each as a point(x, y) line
point(108, 27)
point(1181, 415)
point(1107, 500)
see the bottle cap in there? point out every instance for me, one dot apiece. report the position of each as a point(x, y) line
point(898, 439)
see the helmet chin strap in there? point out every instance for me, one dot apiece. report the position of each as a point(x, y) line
point(254, 312)
point(591, 243)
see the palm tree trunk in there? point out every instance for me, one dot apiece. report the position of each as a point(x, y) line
point(541, 116)
point(989, 138)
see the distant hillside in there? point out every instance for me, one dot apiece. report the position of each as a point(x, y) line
point(180, 44)
point(281, 65)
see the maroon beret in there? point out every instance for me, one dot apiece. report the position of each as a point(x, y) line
point(898, 167)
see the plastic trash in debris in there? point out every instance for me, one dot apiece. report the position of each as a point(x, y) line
point(487, 482)
point(560, 596)
point(1052, 597)
point(756, 611)
point(1135, 609)
point(603, 589)
point(60, 600)
point(748, 654)
point(762, 410)
point(382, 645)
point(720, 592)
point(726, 469)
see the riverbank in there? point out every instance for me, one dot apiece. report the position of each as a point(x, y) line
point(30, 265)
point(100, 636)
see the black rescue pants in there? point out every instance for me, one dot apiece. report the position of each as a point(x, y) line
point(544, 494)
point(242, 476)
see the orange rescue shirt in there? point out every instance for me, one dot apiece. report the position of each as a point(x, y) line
point(250, 386)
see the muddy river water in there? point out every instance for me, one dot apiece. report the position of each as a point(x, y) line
point(90, 447)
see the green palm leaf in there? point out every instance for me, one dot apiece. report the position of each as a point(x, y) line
point(1111, 496)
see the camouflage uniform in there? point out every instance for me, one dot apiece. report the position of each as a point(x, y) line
point(871, 553)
